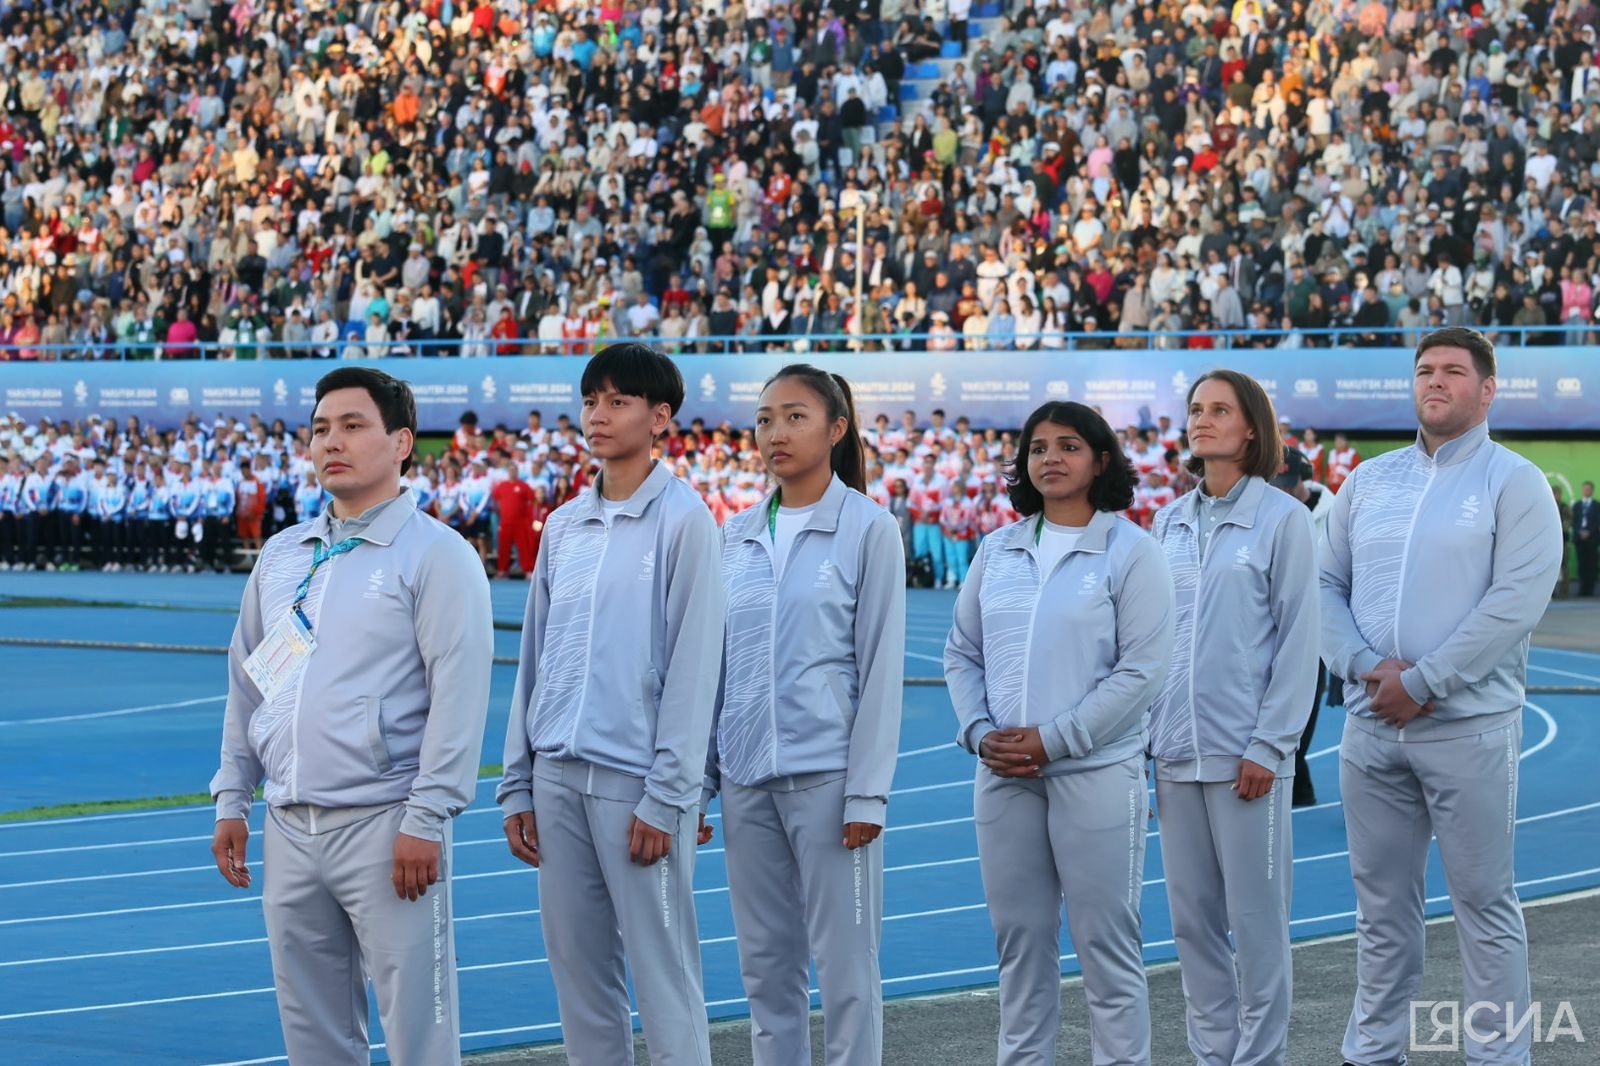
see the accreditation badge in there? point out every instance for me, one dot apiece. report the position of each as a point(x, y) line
point(280, 658)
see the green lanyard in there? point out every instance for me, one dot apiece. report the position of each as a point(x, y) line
point(1038, 528)
point(772, 515)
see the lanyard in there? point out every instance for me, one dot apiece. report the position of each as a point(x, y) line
point(772, 515)
point(319, 555)
point(1038, 528)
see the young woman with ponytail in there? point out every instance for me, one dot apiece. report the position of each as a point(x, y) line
point(808, 720)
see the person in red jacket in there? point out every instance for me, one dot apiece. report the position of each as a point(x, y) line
point(514, 499)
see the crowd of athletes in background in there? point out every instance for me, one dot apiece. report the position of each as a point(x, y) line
point(115, 497)
point(129, 496)
point(476, 172)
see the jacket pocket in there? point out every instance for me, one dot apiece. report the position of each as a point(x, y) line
point(841, 697)
point(372, 708)
point(651, 691)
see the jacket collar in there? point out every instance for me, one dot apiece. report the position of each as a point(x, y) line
point(824, 514)
point(1245, 507)
point(376, 525)
point(1092, 539)
point(589, 507)
point(1458, 450)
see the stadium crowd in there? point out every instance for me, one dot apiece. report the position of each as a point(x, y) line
point(204, 496)
point(541, 175)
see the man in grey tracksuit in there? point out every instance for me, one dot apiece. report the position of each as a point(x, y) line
point(621, 650)
point(367, 754)
point(1439, 562)
point(1244, 666)
point(808, 728)
point(1079, 650)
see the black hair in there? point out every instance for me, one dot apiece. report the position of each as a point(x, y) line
point(396, 406)
point(848, 458)
point(634, 369)
point(1112, 489)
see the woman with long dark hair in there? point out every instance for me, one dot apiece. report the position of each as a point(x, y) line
point(808, 722)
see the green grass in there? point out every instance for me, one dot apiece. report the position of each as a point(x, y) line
point(64, 601)
point(149, 803)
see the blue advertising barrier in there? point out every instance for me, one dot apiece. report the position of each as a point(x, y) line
point(1541, 389)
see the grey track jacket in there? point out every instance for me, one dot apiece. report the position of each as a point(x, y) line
point(1446, 562)
point(1244, 662)
point(621, 647)
point(813, 663)
point(391, 704)
point(1080, 652)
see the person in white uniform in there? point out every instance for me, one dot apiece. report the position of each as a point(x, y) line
point(808, 725)
point(358, 686)
point(1061, 640)
point(1224, 731)
point(1440, 560)
point(605, 749)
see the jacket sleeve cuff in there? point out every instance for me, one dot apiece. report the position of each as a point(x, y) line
point(868, 809)
point(1415, 685)
point(520, 802)
point(975, 734)
point(1054, 741)
point(658, 815)
point(422, 823)
point(1365, 662)
point(1262, 754)
point(233, 803)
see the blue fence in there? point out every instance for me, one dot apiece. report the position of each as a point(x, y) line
point(1541, 388)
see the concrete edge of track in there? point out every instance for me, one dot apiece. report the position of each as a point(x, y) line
point(959, 1028)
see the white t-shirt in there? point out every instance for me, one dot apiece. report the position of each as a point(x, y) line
point(1054, 543)
point(791, 520)
point(610, 508)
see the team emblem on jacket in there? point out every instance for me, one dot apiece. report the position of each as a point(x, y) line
point(1469, 512)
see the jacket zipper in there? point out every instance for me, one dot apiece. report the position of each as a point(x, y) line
point(1194, 637)
point(300, 682)
point(1033, 614)
point(1405, 557)
point(594, 596)
point(772, 647)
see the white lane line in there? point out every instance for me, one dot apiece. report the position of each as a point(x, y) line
point(129, 910)
point(925, 658)
point(113, 714)
point(1563, 673)
point(136, 951)
point(1551, 731)
point(118, 846)
point(935, 912)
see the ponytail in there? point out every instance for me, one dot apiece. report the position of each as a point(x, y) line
point(848, 458)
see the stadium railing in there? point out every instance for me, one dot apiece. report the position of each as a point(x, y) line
point(535, 347)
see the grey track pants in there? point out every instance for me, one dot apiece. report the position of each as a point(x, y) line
point(333, 919)
point(797, 894)
point(1397, 793)
point(1228, 870)
point(597, 906)
point(1078, 837)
